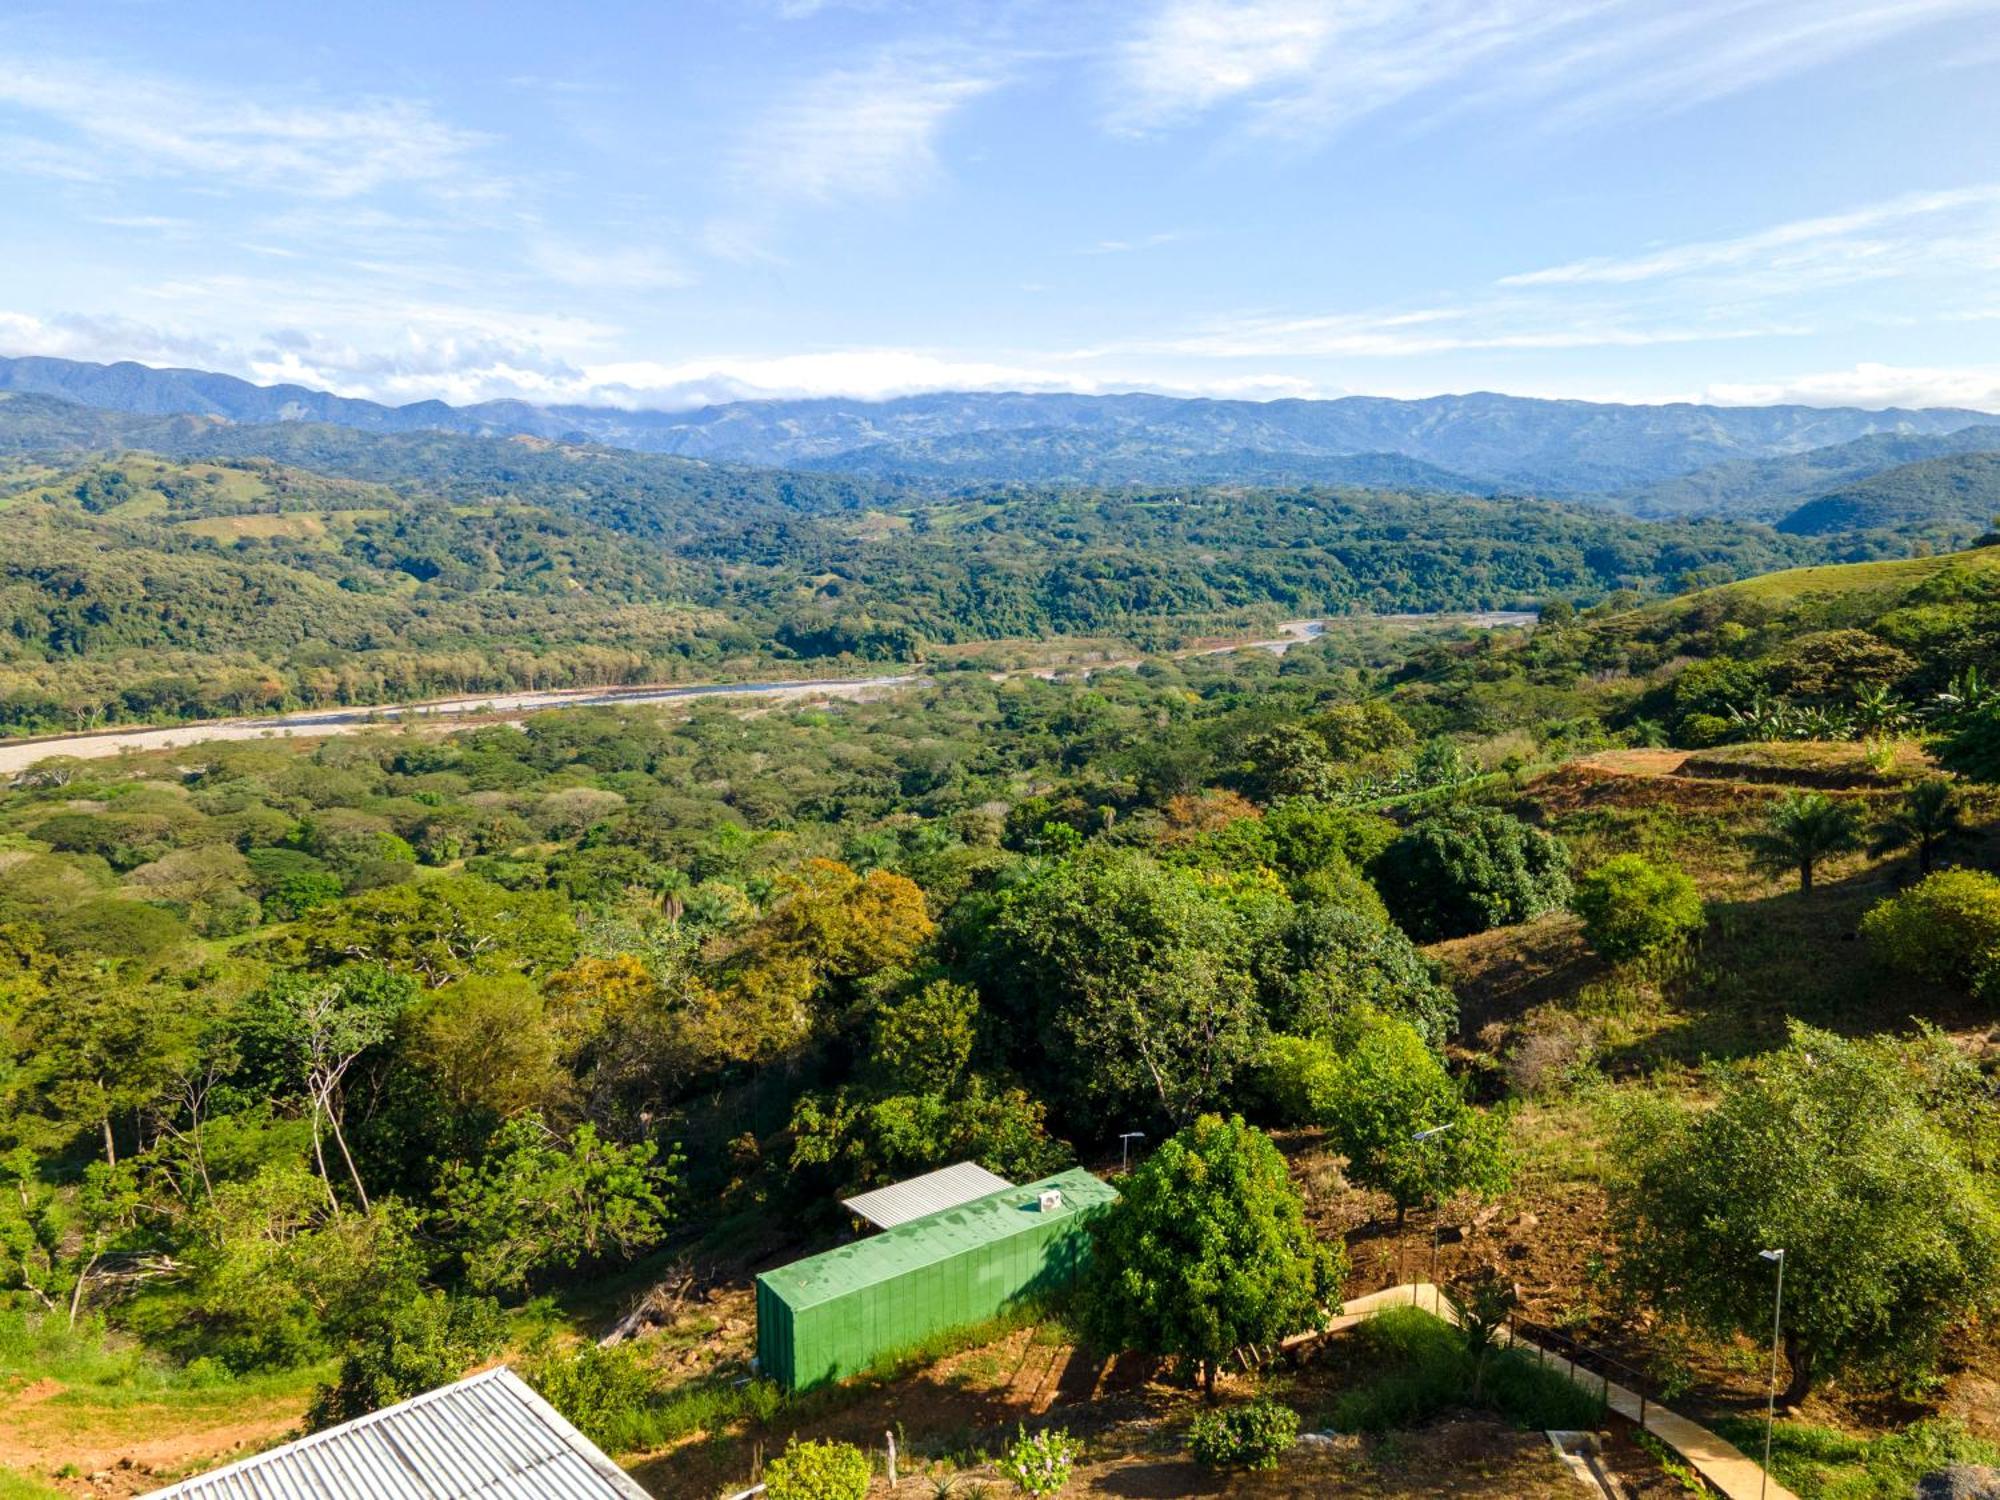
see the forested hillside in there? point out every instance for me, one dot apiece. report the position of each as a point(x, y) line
point(328, 1066)
point(1941, 494)
point(255, 568)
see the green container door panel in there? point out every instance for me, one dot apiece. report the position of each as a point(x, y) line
point(831, 1315)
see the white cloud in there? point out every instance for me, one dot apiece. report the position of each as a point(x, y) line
point(1882, 238)
point(1307, 68)
point(111, 124)
point(631, 268)
point(1414, 333)
point(1126, 247)
point(1870, 385)
point(861, 133)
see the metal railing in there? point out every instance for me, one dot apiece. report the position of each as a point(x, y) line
point(1552, 1343)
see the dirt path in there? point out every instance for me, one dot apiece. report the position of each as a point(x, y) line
point(130, 1448)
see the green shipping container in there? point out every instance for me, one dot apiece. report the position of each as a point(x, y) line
point(830, 1315)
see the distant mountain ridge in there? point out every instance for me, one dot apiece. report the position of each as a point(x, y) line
point(1481, 442)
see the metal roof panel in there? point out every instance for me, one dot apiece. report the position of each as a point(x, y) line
point(488, 1435)
point(932, 1193)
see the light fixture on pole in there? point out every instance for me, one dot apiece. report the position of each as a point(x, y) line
point(1777, 1257)
point(1419, 1137)
point(1125, 1146)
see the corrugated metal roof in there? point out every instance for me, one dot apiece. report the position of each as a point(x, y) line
point(896, 1252)
point(931, 1193)
point(486, 1436)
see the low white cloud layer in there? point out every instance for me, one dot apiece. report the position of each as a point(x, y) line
point(1975, 388)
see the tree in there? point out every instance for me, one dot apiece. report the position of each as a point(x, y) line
point(539, 1202)
point(310, 1030)
point(1377, 1088)
point(866, 1140)
point(487, 1046)
point(1854, 1157)
point(1468, 870)
point(1290, 761)
point(1802, 830)
point(1929, 814)
point(922, 1041)
point(1970, 745)
point(1335, 960)
point(1135, 977)
point(1631, 906)
point(1207, 1251)
point(441, 930)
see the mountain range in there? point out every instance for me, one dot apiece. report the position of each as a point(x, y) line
point(1634, 457)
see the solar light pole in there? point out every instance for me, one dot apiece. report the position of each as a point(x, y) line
point(1125, 1147)
point(1419, 1138)
point(1771, 1400)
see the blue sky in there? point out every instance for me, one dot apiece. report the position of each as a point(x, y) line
point(679, 201)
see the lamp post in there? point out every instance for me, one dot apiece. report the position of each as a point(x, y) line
point(1125, 1147)
point(1777, 1257)
point(1419, 1137)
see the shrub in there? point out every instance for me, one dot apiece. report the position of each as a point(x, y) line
point(1469, 870)
point(1039, 1463)
point(602, 1392)
point(1945, 928)
point(1631, 906)
point(817, 1471)
point(409, 1349)
point(1254, 1436)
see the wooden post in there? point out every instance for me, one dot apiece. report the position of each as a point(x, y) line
point(890, 1438)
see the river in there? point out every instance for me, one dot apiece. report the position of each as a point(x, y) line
point(17, 755)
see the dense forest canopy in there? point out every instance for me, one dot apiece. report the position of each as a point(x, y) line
point(245, 569)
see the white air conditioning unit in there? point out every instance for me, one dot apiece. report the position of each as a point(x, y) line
point(1051, 1200)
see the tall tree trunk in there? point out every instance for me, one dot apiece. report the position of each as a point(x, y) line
point(319, 1156)
point(340, 1139)
point(110, 1146)
point(76, 1293)
point(1799, 1360)
point(1208, 1379)
point(1805, 877)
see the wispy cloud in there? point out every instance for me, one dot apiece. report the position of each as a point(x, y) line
point(1126, 247)
point(1308, 68)
point(1915, 231)
point(626, 268)
point(1430, 331)
point(89, 122)
point(859, 133)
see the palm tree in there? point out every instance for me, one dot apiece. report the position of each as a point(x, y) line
point(1930, 814)
point(1804, 828)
